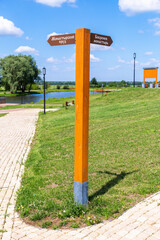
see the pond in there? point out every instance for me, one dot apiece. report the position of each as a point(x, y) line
point(37, 97)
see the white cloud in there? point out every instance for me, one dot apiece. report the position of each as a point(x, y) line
point(7, 27)
point(26, 49)
point(52, 60)
point(157, 33)
point(28, 38)
point(114, 68)
point(120, 60)
point(156, 23)
point(148, 53)
point(69, 69)
point(95, 47)
point(69, 60)
point(140, 31)
point(94, 59)
point(146, 64)
point(137, 6)
point(123, 48)
point(152, 62)
point(63, 60)
point(55, 68)
point(55, 3)
point(53, 34)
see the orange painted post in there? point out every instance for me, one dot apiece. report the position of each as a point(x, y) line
point(82, 38)
point(144, 76)
point(82, 115)
point(157, 76)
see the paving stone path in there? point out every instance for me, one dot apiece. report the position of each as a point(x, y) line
point(16, 132)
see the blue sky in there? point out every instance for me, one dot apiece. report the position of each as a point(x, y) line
point(134, 26)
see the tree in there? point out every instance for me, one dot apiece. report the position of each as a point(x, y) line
point(18, 71)
point(47, 85)
point(94, 81)
point(9, 67)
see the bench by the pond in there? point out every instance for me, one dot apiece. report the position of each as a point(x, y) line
point(67, 103)
point(2, 100)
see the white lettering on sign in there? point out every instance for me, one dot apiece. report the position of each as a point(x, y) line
point(101, 38)
point(62, 42)
point(100, 42)
point(62, 38)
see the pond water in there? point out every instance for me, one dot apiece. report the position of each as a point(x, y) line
point(37, 97)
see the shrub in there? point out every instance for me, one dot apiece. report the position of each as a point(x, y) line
point(65, 87)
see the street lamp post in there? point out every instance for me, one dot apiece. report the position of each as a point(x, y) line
point(102, 89)
point(134, 56)
point(44, 73)
point(21, 92)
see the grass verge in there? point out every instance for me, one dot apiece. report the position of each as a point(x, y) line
point(2, 114)
point(123, 160)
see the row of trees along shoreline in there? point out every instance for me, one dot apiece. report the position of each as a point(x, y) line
point(20, 73)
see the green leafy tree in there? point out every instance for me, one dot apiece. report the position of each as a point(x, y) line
point(9, 68)
point(18, 71)
point(94, 81)
point(65, 87)
point(47, 85)
point(28, 73)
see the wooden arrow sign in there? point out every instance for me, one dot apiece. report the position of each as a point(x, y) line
point(65, 39)
point(101, 39)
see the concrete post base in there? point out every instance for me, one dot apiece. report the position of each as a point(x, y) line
point(81, 192)
point(156, 85)
point(151, 85)
point(143, 85)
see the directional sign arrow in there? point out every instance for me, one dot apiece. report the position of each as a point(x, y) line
point(101, 39)
point(65, 39)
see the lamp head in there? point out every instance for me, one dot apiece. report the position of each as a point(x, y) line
point(44, 71)
point(134, 55)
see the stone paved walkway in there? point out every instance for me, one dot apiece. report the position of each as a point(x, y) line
point(16, 132)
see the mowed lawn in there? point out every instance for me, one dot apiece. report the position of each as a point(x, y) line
point(2, 114)
point(124, 160)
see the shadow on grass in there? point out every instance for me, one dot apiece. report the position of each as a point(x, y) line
point(110, 184)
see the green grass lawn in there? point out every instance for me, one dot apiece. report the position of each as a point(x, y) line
point(124, 166)
point(2, 114)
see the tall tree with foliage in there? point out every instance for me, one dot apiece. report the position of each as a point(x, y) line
point(18, 71)
point(94, 81)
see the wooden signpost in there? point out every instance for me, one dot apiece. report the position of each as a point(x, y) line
point(82, 38)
